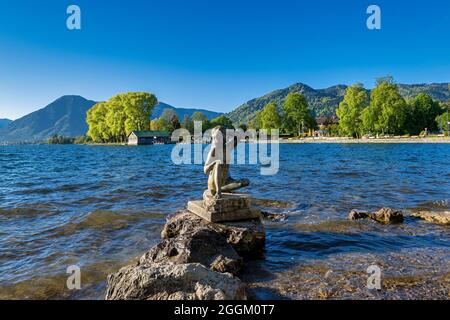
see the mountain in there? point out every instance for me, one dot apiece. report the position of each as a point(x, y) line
point(4, 122)
point(321, 102)
point(65, 116)
point(324, 102)
point(181, 112)
point(438, 91)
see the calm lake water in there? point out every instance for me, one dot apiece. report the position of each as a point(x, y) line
point(101, 207)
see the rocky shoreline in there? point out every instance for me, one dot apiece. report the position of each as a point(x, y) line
point(195, 260)
point(389, 215)
point(201, 260)
point(392, 140)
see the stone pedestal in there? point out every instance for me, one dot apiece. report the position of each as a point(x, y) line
point(231, 207)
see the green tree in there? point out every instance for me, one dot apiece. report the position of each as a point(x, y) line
point(254, 124)
point(55, 139)
point(96, 120)
point(200, 117)
point(349, 112)
point(138, 107)
point(113, 120)
point(444, 120)
point(222, 121)
point(159, 124)
point(369, 118)
point(82, 140)
point(269, 118)
point(422, 114)
point(296, 113)
point(174, 124)
point(388, 108)
point(168, 114)
point(188, 124)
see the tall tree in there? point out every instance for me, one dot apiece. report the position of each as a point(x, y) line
point(296, 113)
point(113, 120)
point(168, 114)
point(96, 120)
point(349, 112)
point(200, 117)
point(174, 124)
point(222, 121)
point(369, 119)
point(159, 124)
point(423, 113)
point(188, 124)
point(269, 117)
point(138, 109)
point(444, 121)
point(388, 107)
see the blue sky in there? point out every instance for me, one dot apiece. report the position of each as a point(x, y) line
point(213, 54)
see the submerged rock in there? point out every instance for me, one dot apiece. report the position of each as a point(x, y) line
point(203, 246)
point(439, 217)
point(384, 215)
point(273, 216)
point(268, 203)
point(387, 215)
point(246, 237)
point(357, 214)
point(191, 281)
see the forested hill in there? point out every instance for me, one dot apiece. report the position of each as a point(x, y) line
point(181, 112)
point(324, 102)
point(438, 91)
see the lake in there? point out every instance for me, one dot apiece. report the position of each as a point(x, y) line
point(101, 207)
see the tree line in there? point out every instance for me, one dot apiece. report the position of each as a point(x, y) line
point(385, 111)
point(382, 111)
point(295, 118)
point(112, 121)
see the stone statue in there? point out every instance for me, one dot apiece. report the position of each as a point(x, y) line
point(219, 203)
point(217, 164)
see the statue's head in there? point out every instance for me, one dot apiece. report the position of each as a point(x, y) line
point(218, 135)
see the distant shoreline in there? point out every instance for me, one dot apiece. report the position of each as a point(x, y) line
point(400, 140)
point(309, 140)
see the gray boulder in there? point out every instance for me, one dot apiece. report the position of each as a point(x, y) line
point(191, 281)
point(203, 246)
point(246, 237)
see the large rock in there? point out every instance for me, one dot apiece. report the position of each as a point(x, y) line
point(384, 215)
point(439, 217)
point(204, 246)
point(246, 237)
point(190, 281)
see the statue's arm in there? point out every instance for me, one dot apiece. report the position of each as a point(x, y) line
point(210, 161)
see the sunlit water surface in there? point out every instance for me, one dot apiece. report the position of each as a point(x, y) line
point(101, 207)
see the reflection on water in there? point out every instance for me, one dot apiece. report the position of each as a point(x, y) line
point(101, 207)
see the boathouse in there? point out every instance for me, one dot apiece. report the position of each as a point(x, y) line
point(137, 138)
